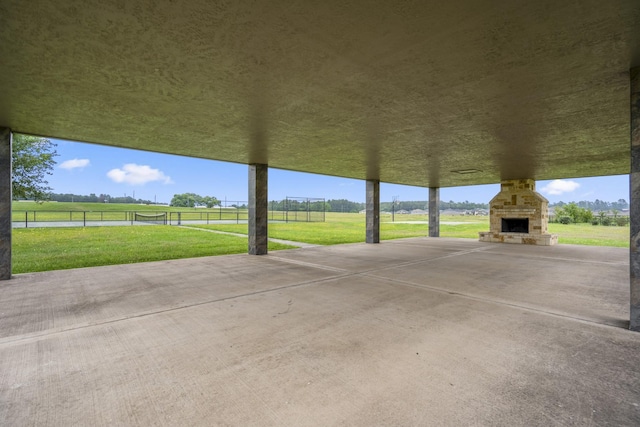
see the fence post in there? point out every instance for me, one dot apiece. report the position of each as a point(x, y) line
point(132, 215)
point(84, 218)
point(26, 219)
point(237, 215)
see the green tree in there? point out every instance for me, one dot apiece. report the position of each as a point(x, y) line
point(33, 160)
point(210, 201)
point(344, 205)
point(185, 200)
point(191, 200)
point(574, 212)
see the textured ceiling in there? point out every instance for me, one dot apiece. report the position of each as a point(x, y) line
point(402, 91)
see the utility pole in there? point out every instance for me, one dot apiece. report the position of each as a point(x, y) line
point(394, 200)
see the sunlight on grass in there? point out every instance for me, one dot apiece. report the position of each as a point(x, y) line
point(592, 235)
point(350, 228)
point(43, 249)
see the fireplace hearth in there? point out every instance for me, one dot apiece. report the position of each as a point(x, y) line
point(518, 214)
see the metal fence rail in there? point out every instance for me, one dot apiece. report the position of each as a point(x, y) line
point(226, 214)
point(298, 209)
point(45, 218)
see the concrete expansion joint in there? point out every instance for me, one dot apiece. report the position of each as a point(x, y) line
point(373, 270)
point(427, 260)
point(495, 302)
point(585, 261)
point(52, 332)
point(307, 264)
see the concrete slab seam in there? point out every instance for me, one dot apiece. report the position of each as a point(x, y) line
point(409, 263)
point(491, 301)
point(35, 336)
point(308, 264)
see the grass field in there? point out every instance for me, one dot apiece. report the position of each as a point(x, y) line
point(42, 249)
point(350, 228)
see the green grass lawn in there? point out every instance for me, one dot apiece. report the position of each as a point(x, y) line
point(350, 228)
point(591, 235)
point(338, 228)
point(43, 249)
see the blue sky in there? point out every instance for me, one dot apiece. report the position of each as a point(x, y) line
point(89, 168)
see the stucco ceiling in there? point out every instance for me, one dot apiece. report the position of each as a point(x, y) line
point(409, 92)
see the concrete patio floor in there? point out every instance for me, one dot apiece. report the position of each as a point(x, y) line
point(428, 332)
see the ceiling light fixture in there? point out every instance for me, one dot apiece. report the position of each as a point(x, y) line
point(466, 171)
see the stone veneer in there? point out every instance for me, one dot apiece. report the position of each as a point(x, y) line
point(518, 199)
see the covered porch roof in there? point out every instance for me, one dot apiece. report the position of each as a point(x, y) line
point(422, 93)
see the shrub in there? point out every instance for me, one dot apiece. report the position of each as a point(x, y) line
point(573, 211)
point(565, 220)
point(586, 215)
point(622, 221)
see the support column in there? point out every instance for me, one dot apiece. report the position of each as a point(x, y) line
point(5, 203)
point(434, 212)
point(634, 203)
point(373, 211)
point(258, 209)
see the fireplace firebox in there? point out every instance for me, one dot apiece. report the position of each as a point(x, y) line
point(515, 225)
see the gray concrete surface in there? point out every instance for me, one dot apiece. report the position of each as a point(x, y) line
point(428, 332)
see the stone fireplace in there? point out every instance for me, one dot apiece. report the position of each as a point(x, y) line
point(518, 214)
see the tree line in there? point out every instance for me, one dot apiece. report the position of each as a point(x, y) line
point(582, 211)
point(33, 159)
point(299, 205)
point(93, 198)
point(597, 205)
point(192, 200)
point(572, 213)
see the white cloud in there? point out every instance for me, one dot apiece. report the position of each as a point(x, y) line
point(75, 164)
point(134, 174)
point(560, 186)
